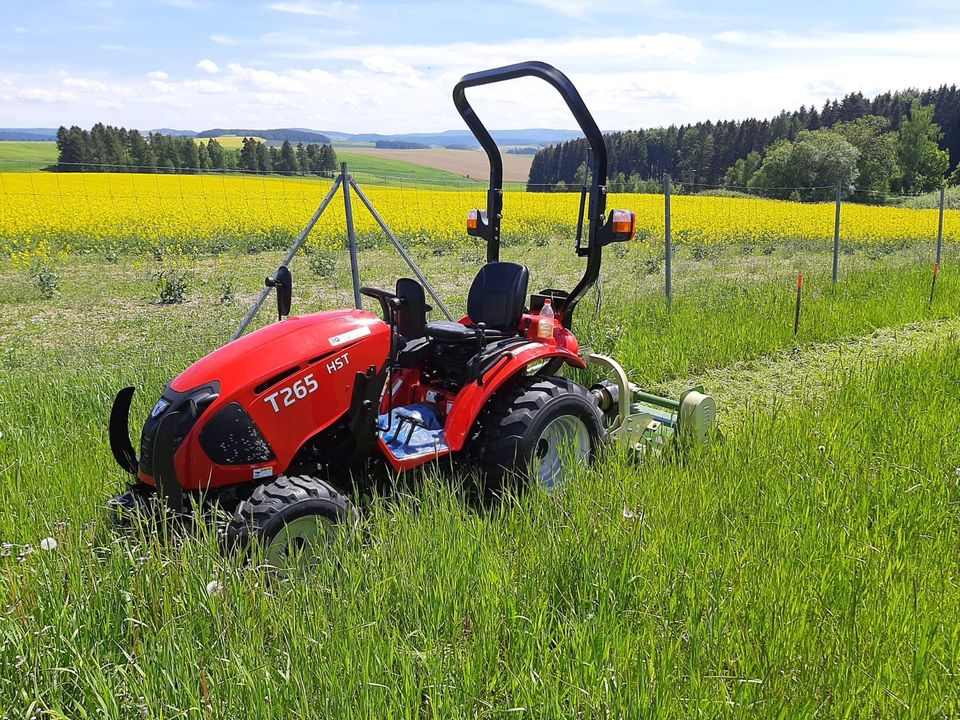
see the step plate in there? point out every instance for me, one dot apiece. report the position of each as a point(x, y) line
point(412, 435)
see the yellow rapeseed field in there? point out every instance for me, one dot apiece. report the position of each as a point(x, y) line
point(133, 213)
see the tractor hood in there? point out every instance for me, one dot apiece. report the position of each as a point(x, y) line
point(260, 355)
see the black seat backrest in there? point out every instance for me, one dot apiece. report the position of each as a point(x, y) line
point(412, 315)
point(498, 294)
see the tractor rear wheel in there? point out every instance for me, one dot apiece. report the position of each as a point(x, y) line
point(293, 518)
point(538, 430)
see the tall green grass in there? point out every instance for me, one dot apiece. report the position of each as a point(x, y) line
point(804, 566)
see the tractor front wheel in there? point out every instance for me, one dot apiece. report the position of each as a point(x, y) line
point(294, 519)
point(538, 430)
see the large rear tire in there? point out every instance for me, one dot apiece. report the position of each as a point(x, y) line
point(537, 430)
point(294, 520)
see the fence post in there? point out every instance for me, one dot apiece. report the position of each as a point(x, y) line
point(796, 316)
point(940, 230)
point(836, 238)
point(668, 237)
point(351, 237)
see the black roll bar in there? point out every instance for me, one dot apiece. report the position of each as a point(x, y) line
point(597, 162)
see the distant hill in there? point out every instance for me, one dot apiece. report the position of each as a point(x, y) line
point(536, 137)
point(175, 133)
point(463, 138)
point(28, 134)
point(400, 145)
point(277, 135)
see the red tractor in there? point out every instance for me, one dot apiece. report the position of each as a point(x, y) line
point(273, 425)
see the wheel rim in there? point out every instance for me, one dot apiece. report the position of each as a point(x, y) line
point(565, 439)
point(300, 542)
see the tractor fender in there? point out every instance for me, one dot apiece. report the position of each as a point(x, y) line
point(471, 399)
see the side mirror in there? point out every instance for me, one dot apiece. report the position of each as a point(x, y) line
point(283, 282)
point(621, 226)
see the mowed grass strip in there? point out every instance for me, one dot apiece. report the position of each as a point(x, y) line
point(804, 565)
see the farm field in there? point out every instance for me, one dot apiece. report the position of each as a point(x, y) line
point(232, 141)
point(806, 564)
point(464, 163)
point(127, 213)
point(26, 156)
point(380, 166)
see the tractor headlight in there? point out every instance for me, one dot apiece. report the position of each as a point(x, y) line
point(191, 405)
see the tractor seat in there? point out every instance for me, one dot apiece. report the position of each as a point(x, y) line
point(448, 331)
point(496, 300)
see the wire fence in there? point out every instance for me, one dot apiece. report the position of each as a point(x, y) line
point(141, 240)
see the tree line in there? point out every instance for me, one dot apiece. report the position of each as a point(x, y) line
point(313, 159)
point(105, 148)
point(901, 141)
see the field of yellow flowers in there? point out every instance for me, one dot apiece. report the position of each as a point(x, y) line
point(130, 213)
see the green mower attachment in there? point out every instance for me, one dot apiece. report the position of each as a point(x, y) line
point(649, 423)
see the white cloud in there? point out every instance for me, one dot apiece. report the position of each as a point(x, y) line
point(628, 81)
point(334, 9)
point(401, 72)
point(83, 84)
point(208, 87)
point(570, 8)
point(580, 10)
point(264, 79)
point(917, 42)
point(223, 40)
point(607, 53)
point(208, 66)
point(314, 76)
point(46, 95)
point(276, 100)
point(387, 65)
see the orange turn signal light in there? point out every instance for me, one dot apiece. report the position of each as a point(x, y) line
point(624, 224)
point(473, 219)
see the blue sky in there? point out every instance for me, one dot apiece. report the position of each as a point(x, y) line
point(363, 65)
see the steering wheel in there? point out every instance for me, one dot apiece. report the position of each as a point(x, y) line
point(389, 303)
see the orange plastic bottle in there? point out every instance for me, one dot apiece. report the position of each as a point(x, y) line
point(545, 322)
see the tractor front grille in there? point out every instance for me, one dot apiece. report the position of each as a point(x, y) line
point(176, 401)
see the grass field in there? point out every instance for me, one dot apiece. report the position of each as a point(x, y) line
point(806, 565)
point(379, 164)
point(368, 166)
point(26, 156)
